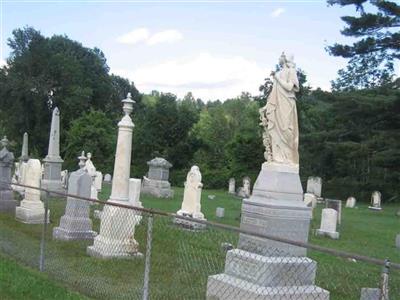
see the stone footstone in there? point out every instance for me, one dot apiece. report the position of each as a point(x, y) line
point(220, 212)
point(370, 294)
point(75, 224)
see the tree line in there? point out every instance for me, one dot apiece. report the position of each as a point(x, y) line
point(350, 137)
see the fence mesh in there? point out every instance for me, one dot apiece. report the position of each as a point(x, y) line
point(140, 254)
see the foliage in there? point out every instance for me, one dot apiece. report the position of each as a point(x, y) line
point(43, 73)
point(377, 47)
point(92, 132)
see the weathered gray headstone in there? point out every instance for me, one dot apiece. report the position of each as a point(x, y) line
point(336, 205)
point(7, 202)
point(220, 212)
point(156, 183)
point(53, 162)
point(75, 224)
point(328, 223)
point(398, 241)
point(232, 188)
point(370, 294)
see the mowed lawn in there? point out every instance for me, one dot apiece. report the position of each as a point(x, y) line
point(182, 260)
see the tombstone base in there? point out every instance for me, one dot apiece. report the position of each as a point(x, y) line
point(331, 234)
point(107, 248)
point(375, 208)
point(252, 276)
point(7, 205)
point(275, 208)
point(31, 216)
point(157, 188)
point(63, 234)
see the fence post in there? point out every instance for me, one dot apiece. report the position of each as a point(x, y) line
point(44, 231)
point(385, 281)
point(147, 261)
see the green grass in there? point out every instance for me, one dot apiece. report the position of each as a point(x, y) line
point(18, 282)
point(182, 260)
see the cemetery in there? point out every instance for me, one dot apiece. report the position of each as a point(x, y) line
point(109, 190)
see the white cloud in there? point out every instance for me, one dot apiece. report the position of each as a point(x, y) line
point(277, 12)
point(207, 76)
point(166, 36)
point(135, 36)
point(143, 35)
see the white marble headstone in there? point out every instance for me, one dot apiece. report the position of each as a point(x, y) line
point(328, 223)
point(314, 186)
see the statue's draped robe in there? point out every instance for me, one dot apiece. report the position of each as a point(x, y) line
point(192, 193)
point(281, 113)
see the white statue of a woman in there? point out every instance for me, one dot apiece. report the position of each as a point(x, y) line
point(191, 204)
point(279, 116)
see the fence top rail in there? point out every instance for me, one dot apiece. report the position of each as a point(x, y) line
point(152, 211)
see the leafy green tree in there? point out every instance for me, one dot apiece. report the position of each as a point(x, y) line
point(378, 45)
point(44, 72)
point(92, 132)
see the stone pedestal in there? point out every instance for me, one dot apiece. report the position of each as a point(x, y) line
point(266, 269)
point(31, 210)
point(75, 224)
point(7, 202)
point(275, 208)
point(117, 226)
point(156, 183)
point(53, 162)
point(116, 238)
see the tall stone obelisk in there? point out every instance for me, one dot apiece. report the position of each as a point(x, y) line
point(53, 161)
point(7, 202)
point(117, 227)
point(24, 152)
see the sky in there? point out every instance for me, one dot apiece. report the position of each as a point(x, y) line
point(214, 49)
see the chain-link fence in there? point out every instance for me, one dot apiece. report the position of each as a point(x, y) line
point(141, 253)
